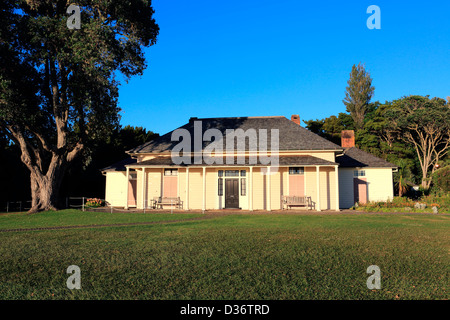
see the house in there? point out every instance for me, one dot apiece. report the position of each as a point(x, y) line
point(247, 163)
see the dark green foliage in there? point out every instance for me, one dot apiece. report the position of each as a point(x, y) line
point(441, 180)
point(59, 87)
point(423, 124)
point(14, 178)
point(84, 177)
point(331, 128)
point(385, 131)
point(358, 94)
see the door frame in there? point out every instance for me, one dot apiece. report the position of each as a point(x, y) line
point(237, 192)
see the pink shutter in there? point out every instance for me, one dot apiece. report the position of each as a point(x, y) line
point(170, 186)
point(296, 185)
point(132, 192)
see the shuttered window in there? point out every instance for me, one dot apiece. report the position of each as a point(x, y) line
point(220, 187)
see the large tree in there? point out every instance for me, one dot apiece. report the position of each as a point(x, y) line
point(376, 137)
point(84, 177)
point(358, 94)
point(58, 86)
point(424, 123)
point(331, 127)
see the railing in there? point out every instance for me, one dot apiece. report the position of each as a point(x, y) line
point(86, 204)
point(89, 203)
point(16, 206)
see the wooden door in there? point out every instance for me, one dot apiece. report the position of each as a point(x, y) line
point(170, 186)
point(132, 193)
point(360, 190)
point(232, 193)
point(296, 185)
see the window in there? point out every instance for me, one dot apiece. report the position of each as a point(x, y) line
point(243, 188)
point(297, 170)
point(170, 172)
point(220, 173)
point(359, 173)
point(220, 187)
point(231, 173)
point(243, 173)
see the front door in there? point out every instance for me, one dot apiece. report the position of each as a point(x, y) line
point(360, 190)
point(132, 193)
point(232, 193)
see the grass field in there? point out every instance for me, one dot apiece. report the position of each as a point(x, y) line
point(322, 256)
point(77, 217)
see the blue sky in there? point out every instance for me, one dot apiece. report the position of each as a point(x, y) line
point(261, 58)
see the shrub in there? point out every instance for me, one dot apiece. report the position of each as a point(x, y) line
point(94, 202)
point(400, 203)
point(441, 179)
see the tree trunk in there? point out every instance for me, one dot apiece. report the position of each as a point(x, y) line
point(45, 189)
point(426, 181)
point(425, 184)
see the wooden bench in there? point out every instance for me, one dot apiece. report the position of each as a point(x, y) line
point(298, 201)
point(159, 202)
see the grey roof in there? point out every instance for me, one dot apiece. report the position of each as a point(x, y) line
point(302, 160)
point(119, 166)
point(354, 157)
point(291, 135)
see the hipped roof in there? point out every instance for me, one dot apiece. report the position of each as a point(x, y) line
point(291, 135)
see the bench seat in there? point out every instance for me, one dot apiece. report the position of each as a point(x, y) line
point(159, 202)
point(296, 201)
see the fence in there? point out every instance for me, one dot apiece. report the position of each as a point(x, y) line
point(16, 206)
point(86, 203)
point(96, 204)
point(83, 204)
point(80, 203)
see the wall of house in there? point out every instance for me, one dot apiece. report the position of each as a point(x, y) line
point(211, 189)
point(346, 196)
point(276, 189)
point(154, 184)
point(116, 190)
point(139, 189)
point(327, 184)
point(310, 184)
point(195, 188)
point(328, 156)
point(327, 188)
point(260, 186)
point(182, 186)
point(279, 185)
point(379, 185)
point(259, 190)
point(213, 200)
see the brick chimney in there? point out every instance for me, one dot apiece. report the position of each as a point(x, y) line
point(295, 118)
point(347, 139)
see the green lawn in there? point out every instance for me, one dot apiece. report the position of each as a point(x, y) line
point(77, 217)
point(227, 257)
